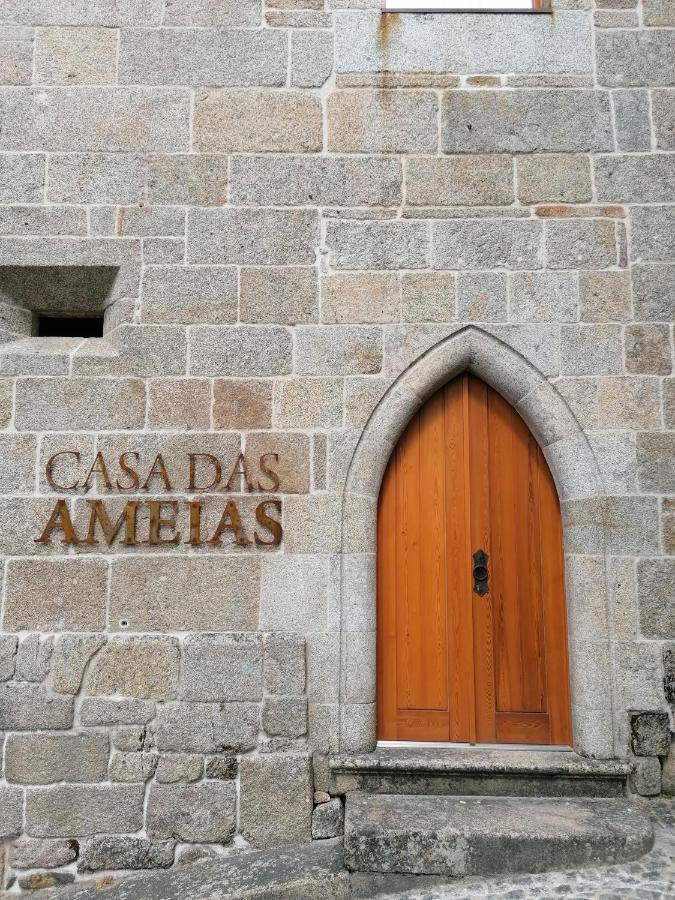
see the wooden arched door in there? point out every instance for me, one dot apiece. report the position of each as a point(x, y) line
point(471, 649)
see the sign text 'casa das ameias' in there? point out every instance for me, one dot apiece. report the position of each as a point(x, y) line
point(213, 521)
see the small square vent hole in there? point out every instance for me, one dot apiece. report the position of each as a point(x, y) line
point(70, 326)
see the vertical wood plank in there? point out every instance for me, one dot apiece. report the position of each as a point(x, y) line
point(386, 605)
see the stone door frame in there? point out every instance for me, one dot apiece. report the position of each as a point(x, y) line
point(577, 477)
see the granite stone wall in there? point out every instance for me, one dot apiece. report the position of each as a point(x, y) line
point(298, 218)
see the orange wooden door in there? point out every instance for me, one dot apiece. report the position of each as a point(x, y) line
point(459, 659)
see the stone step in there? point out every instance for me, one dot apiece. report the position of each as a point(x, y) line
point(479, 772)
point(462, 836)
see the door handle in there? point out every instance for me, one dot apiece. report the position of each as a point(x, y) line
point(481, 573)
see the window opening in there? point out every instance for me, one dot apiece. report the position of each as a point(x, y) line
point(70, 326)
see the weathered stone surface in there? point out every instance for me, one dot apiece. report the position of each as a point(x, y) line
point(590, 349)
point(38, 881)
point(32, 853)
point(82, 12)
point(105, 712)
point(131, 767)
point(524, 122)
point(631, 120)
point(626, 58)
point(605, 296)
point(486, 244)
point(207, 727)
point(653, 292)
point(69, 658)
point(272, 237)
point(460, 181)
point(133, 739)
point(329, 181)
point(646, 777)
point(17, 463)
point(292, 468)
point(481, 296)
point(81, 810)
point(30, 708)
point(589, 244)
point(11, 811)
point(189, 295)
point(96, 118)
point(275, 796)
point(146, 668)
point(222, 768)
point(32, 658)
point(653, 232)
point(284, 664)
point(79, 403)
point(311, 57)
point(222, 668)
point(257, 122)
point(628, 403)
point(308, 403)
point(179, 767)
point(544, 297)
point(22, 177)
point(75, 56)
point(338, 350)
point(378, 245)
point(650, 733)
point(203, 57)
point(179, 404)
point(201, 812)
point(663, 113)
point(656, 462)
point(285, 716)
point(111, 852)
point(657, 613)
point(328, 819)
point(382, 122)
point(8, 647)
point(47, 758)
point(242, 404)
point(427, 297)
point(294, 593)
point(558, 177)
point(283, 296)
point(212, 13)
point(646, 178)
point(214, 594)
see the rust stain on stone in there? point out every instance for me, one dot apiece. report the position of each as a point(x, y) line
point(390, 23)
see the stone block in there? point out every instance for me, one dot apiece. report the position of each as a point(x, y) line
point(82, 12)
point(132, 767)
point(605, 296)
point(212, 13)
point(268, 237)
point(82, 810)
point(650, 733)
point(22, 177)
point(6, 402)
point(638, 675)
point(195, 812)
point(242, 404)
point(486, 244)
point(554, 178)
point(8, 647)
point(282, 296)
point(315, 180)
point(440, 43)
point(663, 115)
point(631, 402)
point(32, 658)
point(591, 349)
point(308, 403)
point(43, 220)
point(222, 768)
point(645, 178)
point(338, 350)
point(647, 349)
point(616, 459)
point(188, 179)
point(637, 57)
point(29, 708)
point(104, 712)
point(275, 797)
point(653, 292)
point(645, 779)
point(56, 595)
point(111, 852)
point(481, 297)
point(242, 351)
point(284, 666)
point(140, 351)
point(525, 122)
point(359, 244)
point(323, 667)
point(285, 716)
point(292, 468)
point(17, 463)
point(189, 295)
point(217, 58)
point(652, 232)
point(294, 593)
point(76, 56)
point(657, 613)
point(669, 672)
point(133, 739)
point(179, 767)
point(623, 597)
point(668, 527)
point(109, 119)
point(656, 462)
point(543, 297)
point(372, 121)
point(222, 667)
point(248, 121)
point(631, 120)
point(37, 881)
point(64, 404)
point(360, 298)
point(16, 62)
point(328, 820)
point(581, 244)
point(428, 297)
point(69, 659)
point(32, 853)
point(48, 758)
point(207, 727)
point(146, 668)
point(311, 57)
point(11, 811)
point(460, 181)
point(618, 525)
point(179, 404)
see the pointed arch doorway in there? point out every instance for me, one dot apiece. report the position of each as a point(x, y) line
point(471, 617)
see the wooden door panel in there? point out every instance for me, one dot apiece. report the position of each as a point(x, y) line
point(452, 664)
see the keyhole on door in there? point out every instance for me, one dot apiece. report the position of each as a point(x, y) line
point(481, 573)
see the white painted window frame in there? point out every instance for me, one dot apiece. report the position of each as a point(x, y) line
point(421, 6)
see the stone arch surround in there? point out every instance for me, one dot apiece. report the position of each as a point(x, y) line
point(580, 488)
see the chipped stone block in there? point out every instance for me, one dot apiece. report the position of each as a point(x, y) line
point(650, 733)
point(32, 853)
point(645, 779)
point(132, 767)
point(69, 659)
point(175, 767)
point(275, 799)
point(48, 758)
point(38, 881)
point(328, 819)
point(669, 672)
point(311, 57)
point(222, 768)
point(8, 647)
point(199, 812)
point(110, 852)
